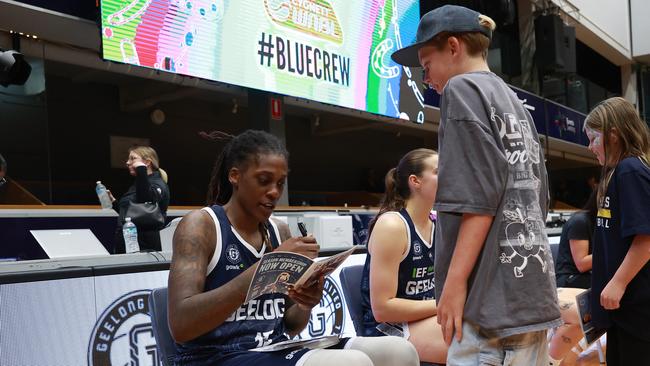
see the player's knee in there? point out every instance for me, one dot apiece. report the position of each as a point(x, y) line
point(354, 357)
point(405, 352)
point(389, 351)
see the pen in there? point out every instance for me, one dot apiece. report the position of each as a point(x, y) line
point(302, 228)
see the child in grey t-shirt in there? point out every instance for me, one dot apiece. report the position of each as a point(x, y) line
point(495, 280)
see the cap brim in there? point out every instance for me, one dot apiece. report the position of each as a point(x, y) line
point(408, 56)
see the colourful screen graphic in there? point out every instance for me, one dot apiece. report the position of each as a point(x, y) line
point(335, 51)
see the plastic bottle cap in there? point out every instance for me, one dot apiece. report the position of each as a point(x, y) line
point(128, 219)
point(99, 182)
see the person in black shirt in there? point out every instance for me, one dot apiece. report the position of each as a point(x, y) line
point(573, 265)
point(150, 186)
point(620, 292)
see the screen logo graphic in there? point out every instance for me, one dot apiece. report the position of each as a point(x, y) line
point(314, 17)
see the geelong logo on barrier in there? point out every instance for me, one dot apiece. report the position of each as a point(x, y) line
point(328, 317)
point(123, 333)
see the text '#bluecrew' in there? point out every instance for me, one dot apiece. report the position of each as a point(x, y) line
point(301, 59)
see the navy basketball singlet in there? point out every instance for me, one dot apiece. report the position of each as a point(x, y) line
point(256, 323)
point(415, 273)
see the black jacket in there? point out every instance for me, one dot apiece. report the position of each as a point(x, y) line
point(146, 188)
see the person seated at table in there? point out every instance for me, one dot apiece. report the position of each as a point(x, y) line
point(573, 265)
point(216, 250)
point(397, 284)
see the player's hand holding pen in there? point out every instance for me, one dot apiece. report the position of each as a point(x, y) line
point(305, 245)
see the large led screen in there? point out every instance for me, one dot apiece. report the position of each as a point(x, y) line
point(335, 51)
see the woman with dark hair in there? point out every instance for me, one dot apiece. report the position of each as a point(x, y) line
point(397, 284)
point(216, 251)
point(573, 265)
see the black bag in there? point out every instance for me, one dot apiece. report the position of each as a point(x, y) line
point(145, 216)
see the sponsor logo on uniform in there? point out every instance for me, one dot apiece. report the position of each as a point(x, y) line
point(230, 267)
point(123, 334)
point(291, 354)
point(417, 248)
point(232, 254)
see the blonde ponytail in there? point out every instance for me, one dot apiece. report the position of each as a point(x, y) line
point(163, 175)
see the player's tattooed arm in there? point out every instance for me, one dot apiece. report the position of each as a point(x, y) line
point(193, 312)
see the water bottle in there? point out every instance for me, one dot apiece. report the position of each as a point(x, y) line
point(102, 194)
point(130, 233)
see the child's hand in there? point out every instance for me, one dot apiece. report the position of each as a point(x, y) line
point(450, 311)
point(611, 296)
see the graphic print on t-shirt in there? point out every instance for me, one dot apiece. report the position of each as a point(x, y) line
point(604, 214)
point(522, 229)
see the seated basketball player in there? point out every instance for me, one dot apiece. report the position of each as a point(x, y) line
point(215, 254)
point(399, 268)
point(397, 284)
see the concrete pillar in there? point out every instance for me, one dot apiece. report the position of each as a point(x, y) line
point(629, 89)
point(529, 77)
point(259, 112)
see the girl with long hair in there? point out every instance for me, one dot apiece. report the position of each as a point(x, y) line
point(620, 292)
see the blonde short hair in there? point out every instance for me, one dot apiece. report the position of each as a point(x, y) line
point(477, 43)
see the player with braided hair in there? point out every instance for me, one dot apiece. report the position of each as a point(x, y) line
point(216, 251)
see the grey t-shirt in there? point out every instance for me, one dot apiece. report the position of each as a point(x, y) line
point(491, 163)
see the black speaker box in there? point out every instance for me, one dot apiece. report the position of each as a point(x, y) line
point(549, 42)
point(555, 45)
point(569, 54)
point(510, 54)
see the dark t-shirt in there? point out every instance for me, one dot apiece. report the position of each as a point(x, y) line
point(579, 227)
point(625, 213)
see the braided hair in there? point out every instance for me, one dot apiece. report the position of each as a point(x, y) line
point(240, 151)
